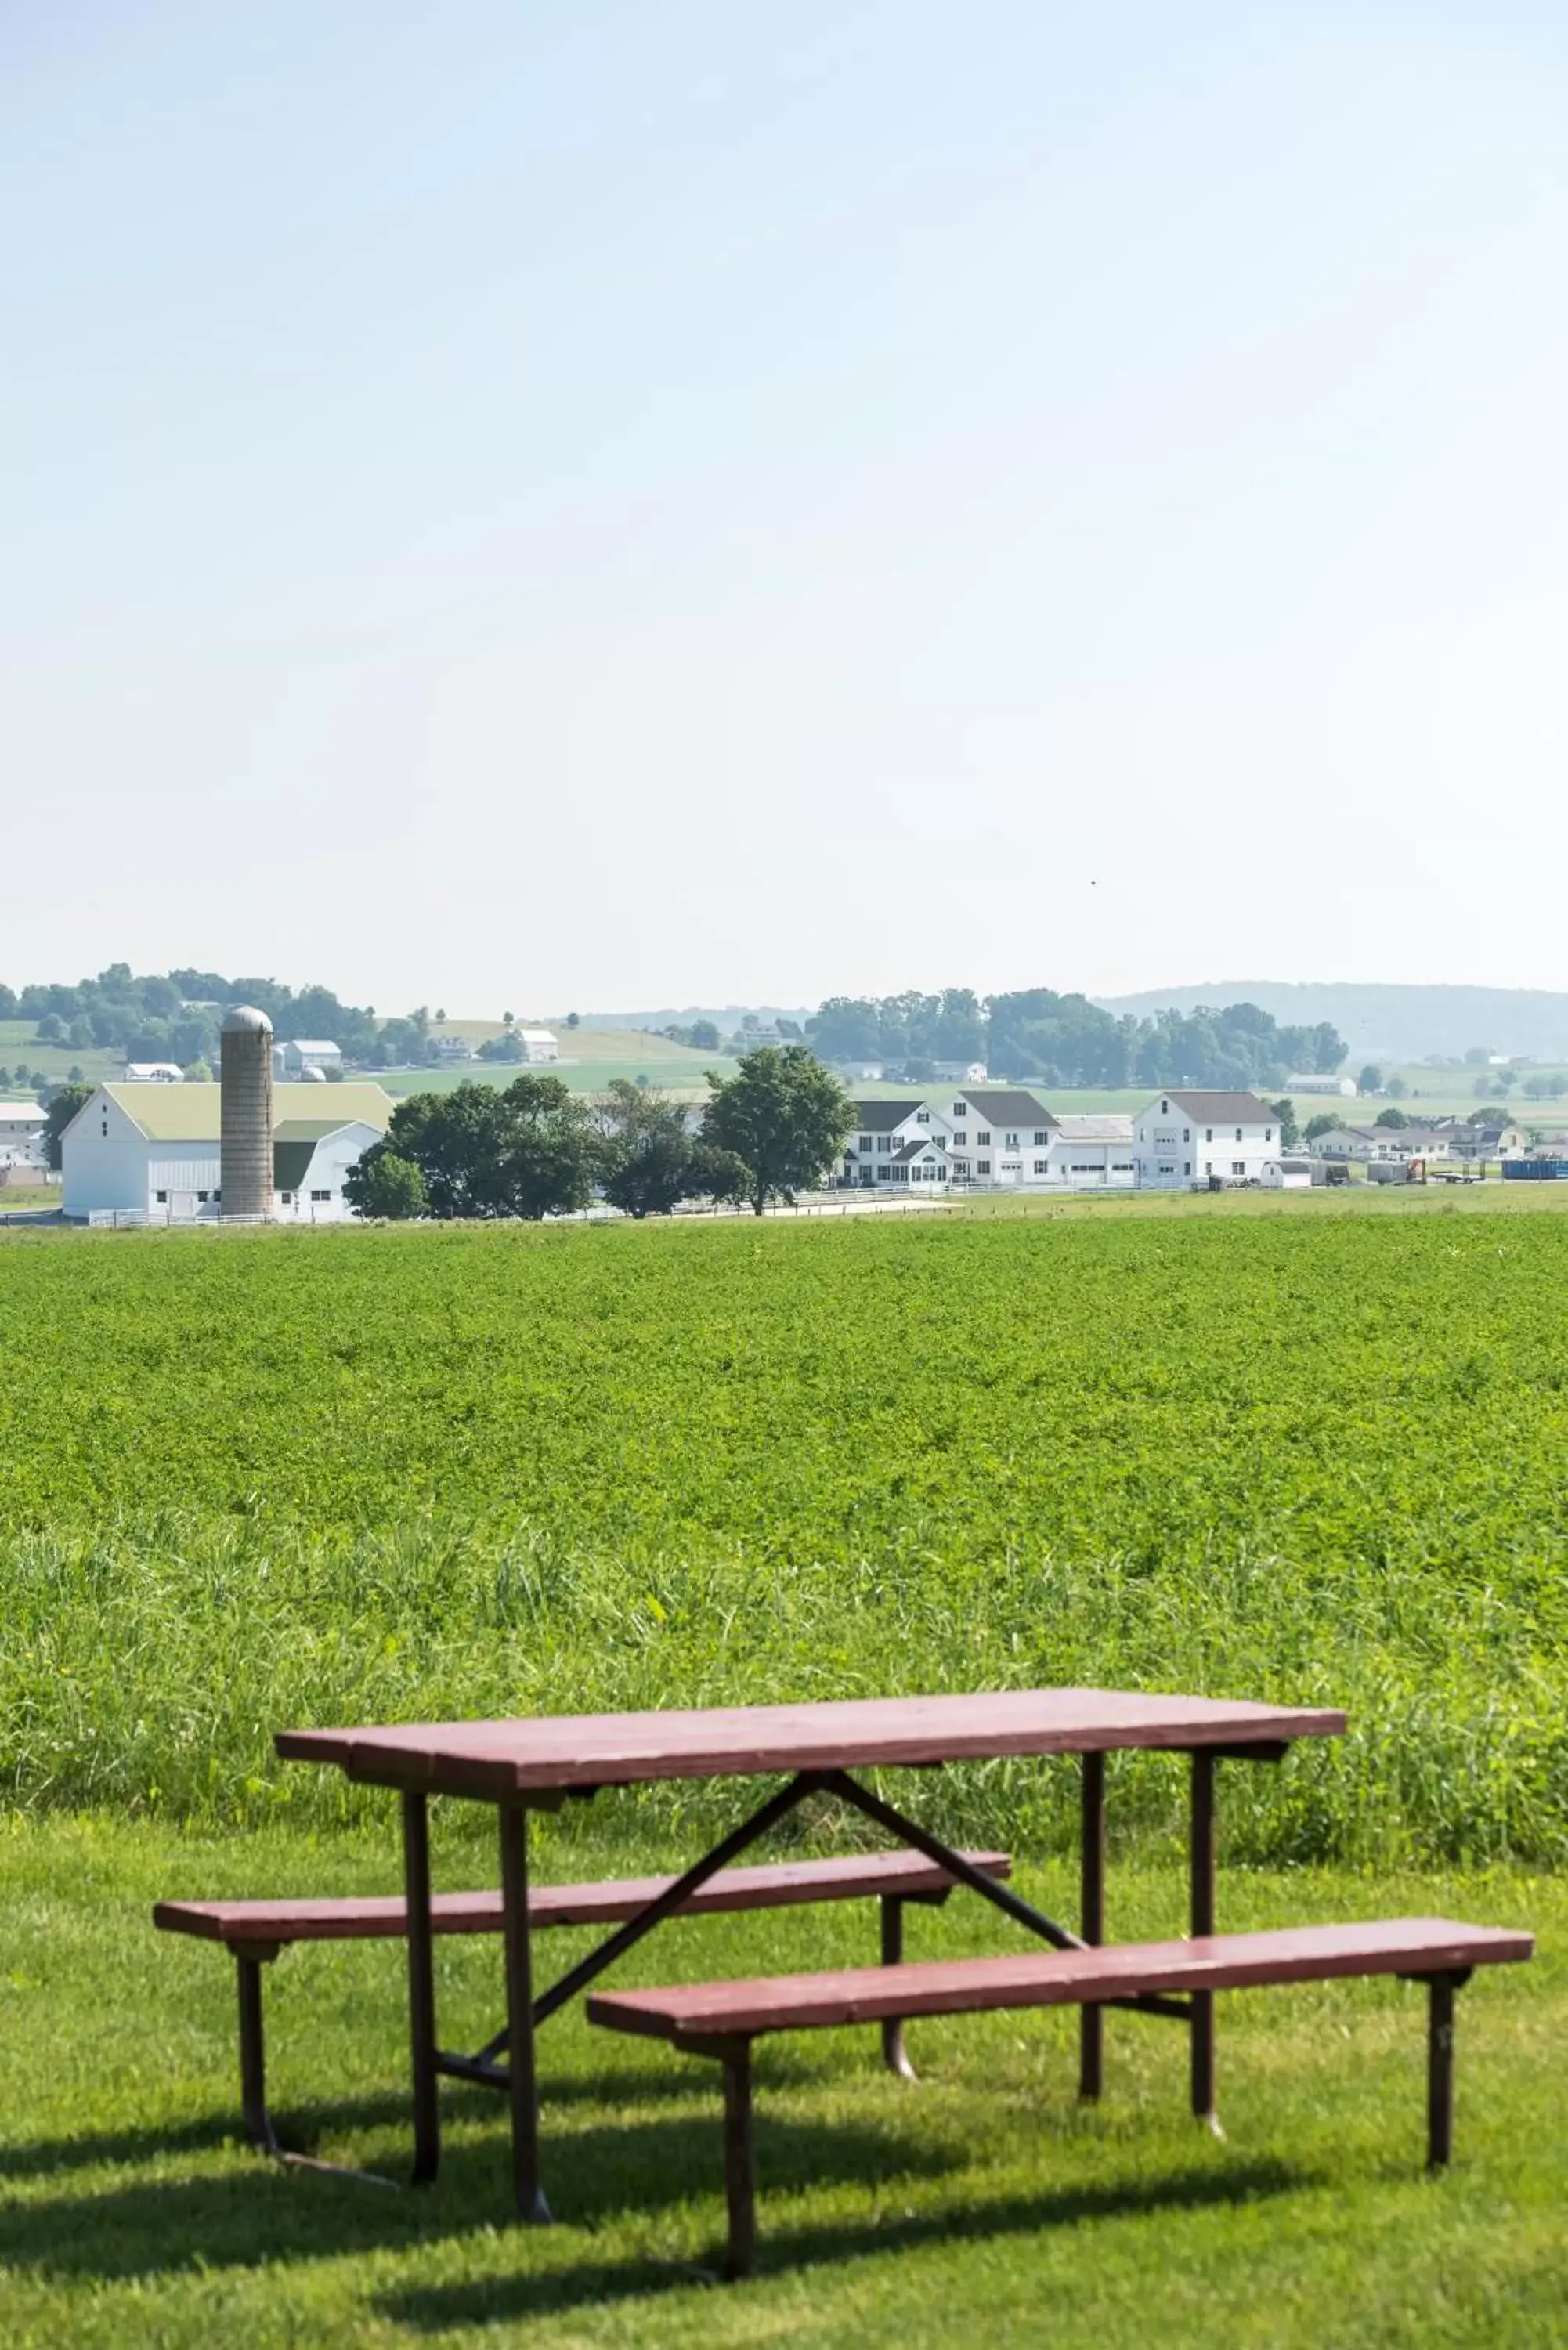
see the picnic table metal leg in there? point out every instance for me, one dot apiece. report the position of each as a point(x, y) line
point(252, 2056)
point(421, 1990)
point(739, 2161)
point(893, 2054)
point(1092, 1924)
point(1440, 2071)
point(523, 2085)
point(1202, 2001)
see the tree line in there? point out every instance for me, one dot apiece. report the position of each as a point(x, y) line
point(535, 1149)
point(1037, 1036)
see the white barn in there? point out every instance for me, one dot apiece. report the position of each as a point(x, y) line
point(539, 1047)
point(151, 1153)
point(1189, 1136)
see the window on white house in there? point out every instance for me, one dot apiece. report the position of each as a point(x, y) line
point(865, 1142)
point(883, 1174)
point(1042, 1167)
point(1238, 1167)
point(883, 1142)
point(162, 1198)
point(922, 1118)
point(1268, 1134)
point(958, 1110)
point(201, 1195)
point(1041, 1138)
point(321, 1195)
point(288, 1199)
point(1186, 1167)
point(1187, 1134)
point(983, 1140)
point(961, 1135)
point(1010, 1142)
point(1165, 1109)
point(1238, 1134)
point(982, 1166)
point(1209, 1134)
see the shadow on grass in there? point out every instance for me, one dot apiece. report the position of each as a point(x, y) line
point(435, 2309)
point(303, 2128)
point(272, 2214)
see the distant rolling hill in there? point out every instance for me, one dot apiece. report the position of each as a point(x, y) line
point(1390, 1023)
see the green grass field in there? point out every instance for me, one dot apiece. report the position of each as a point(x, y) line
point(1304, 1446)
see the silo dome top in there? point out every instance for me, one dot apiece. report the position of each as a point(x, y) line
point(244, 1020)
point(312, 1075)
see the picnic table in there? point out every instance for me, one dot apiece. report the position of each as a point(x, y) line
point(540, 1764)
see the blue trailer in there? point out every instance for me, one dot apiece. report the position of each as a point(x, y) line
point(1535, 1170)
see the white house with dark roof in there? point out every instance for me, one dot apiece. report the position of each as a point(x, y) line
point(896, 1142)
point(999, 1134)
point(1187, 1136)
point(1095, 1152)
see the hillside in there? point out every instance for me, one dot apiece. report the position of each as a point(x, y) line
point(1391, 1022)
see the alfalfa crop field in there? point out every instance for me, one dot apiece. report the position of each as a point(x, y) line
point(1288, 1450)
point(252, 1480)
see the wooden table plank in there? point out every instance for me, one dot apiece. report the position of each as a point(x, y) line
point(560, 1751)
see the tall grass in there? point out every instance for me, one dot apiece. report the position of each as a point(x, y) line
point(147, 1667)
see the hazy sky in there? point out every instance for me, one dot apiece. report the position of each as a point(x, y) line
point(555, 503)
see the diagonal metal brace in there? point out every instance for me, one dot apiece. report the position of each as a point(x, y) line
point(1001, 1897)
point(777, 1807)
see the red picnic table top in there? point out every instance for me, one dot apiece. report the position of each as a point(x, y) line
point(554, 1751)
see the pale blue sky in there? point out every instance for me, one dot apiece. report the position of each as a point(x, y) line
point(609, 504)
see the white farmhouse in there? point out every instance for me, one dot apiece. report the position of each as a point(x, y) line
point(147, 1153)
point(21, 1134)
point(1000, 1135)
point(539, 1047)
point(896, 1142)
point(1187, 1137)
point(1382, 1145)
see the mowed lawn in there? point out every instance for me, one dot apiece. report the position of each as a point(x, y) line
point(982, 2205)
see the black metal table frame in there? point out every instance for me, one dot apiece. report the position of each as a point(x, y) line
point(525, 2013)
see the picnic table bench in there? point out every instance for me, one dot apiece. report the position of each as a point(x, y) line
point(721, 2019)
point(254, 1932)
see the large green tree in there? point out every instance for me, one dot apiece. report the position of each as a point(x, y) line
point(62, 1108)
point(651, 1160)
point(527, 1150)
point(384, 1184)
point(783, 1117)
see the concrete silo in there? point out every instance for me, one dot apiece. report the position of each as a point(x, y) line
point(246, 1151)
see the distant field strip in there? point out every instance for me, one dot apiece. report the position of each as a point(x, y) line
point(250, 1479)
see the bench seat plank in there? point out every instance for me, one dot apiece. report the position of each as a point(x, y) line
point(779, 1885)
point(1054, 1977)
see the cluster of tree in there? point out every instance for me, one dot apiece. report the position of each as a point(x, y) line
point(175, 1015)
point(1035, 1035)
point(535, 1149)
point(701, 1035)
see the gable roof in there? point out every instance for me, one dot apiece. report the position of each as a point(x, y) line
point(1006, 1106)
point(921, 1142)
point(193, 1113)
point(1219, 1109)
point(882, 1117)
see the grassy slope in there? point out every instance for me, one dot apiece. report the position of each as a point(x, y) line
point(982, 2205)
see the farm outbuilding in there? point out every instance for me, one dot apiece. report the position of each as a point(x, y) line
point(148, 1153)
point(21, 1134)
